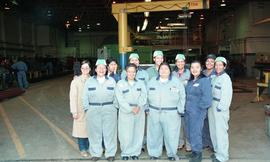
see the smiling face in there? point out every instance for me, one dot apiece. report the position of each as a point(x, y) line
point(180, 64)
point(85, 69)
point(101, 70)
point(134, 61)
point(210, 64)
point(195, 69)
point(164, 71)
point(219, 67)
point(131, 73)
point(158, 60)
point(112, 67)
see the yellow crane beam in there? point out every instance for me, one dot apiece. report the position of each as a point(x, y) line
point(120, 11)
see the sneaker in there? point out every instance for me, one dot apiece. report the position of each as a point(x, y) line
point(95, 158)
point(153, 158)
point(84, 154)
point(171, 158)
point(111, 158)
point(134, 157)
point(125, 158)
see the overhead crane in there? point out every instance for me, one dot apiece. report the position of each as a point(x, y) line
point(120, 11)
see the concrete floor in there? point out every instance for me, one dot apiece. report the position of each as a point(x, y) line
point(37, 125)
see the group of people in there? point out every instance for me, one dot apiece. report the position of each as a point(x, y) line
point(183, 107)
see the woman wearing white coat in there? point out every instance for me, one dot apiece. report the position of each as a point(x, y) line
point(76, 108)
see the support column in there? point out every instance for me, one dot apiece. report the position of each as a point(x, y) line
point(3, 38)
point(122, 37)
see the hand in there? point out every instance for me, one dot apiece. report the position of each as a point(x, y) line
point(75, 116)
point(135, 110)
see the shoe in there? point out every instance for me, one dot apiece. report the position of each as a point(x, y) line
point(188, 150)
point(171, 158)
point(215, 160)
point(134, 157)
point(213, 156)
point(95, 158)
point(125, 158)
point(111, 158)
point(153, 158)
point(190, 155)
point(197, 157)
point(84, 154)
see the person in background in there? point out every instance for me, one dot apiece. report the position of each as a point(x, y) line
point(198, 89)
point(219, 112)
point(141, 74)
point(76, 68)
point(183, 74)
point(100, 104)
point(21, 69)
point(76, 108)
point(132, 96)
point(112, 69)
point(158, 59)
point(209, 72)
point(166, 101)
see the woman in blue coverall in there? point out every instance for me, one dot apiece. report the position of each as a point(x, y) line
point(112, 69)
point(99, 103)
point(166, 101)
point(198, 100)
point(132, 96)
point(219, 112)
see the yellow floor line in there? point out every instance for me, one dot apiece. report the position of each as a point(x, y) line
point(58, 130)
point(14, 136)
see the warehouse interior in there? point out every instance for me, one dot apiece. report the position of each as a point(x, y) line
point(37, 125)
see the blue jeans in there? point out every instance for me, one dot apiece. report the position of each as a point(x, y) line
point(83, 144)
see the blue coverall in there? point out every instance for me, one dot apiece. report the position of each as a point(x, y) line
point(130, 125)
point(21, 69)
point(166, 102)
point(99, 102)
point(219, 114)
point(140, 75)
point(198, 100)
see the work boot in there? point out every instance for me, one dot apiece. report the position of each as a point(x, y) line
point(196, 157)
point(111, 158)
point(213, 156)
point(215, 160)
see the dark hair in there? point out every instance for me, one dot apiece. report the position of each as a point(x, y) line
point(201, 75)
point(85, 62)
point(109, 60)
point(131, 65)
point(166, 64)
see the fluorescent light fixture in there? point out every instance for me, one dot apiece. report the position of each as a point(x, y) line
point(201, 18)
point(113, 2)
point(98, 24)
point(138, 28)
point(88, 27)
point(171, 28)
point(176, 24)
point(166, 18)
point(189, 49)
point(147, 0)
point(67, 24)
point(6, 7)
point(183, 16)
point(88, 24)
point(191, 12)
point(223, 4)
point(145, 23)
point(76, 18)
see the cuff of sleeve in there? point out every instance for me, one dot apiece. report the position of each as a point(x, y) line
point(146, 110)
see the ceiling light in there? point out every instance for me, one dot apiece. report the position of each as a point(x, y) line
point(113, 2)
point(223, 4)
point(167, 18)
point(76, 18)
point(6, 7)
point(49, 13)
point(169, 28)
point(145, 23)
point(191, 12)
point(88, 24)
point(88, 27)
point(98, 24)
point(176, 24)
point(160, 22)
point(183, 16)
point(138, 28)
point(67, 24)
point(147, 0)
point(201, 18)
